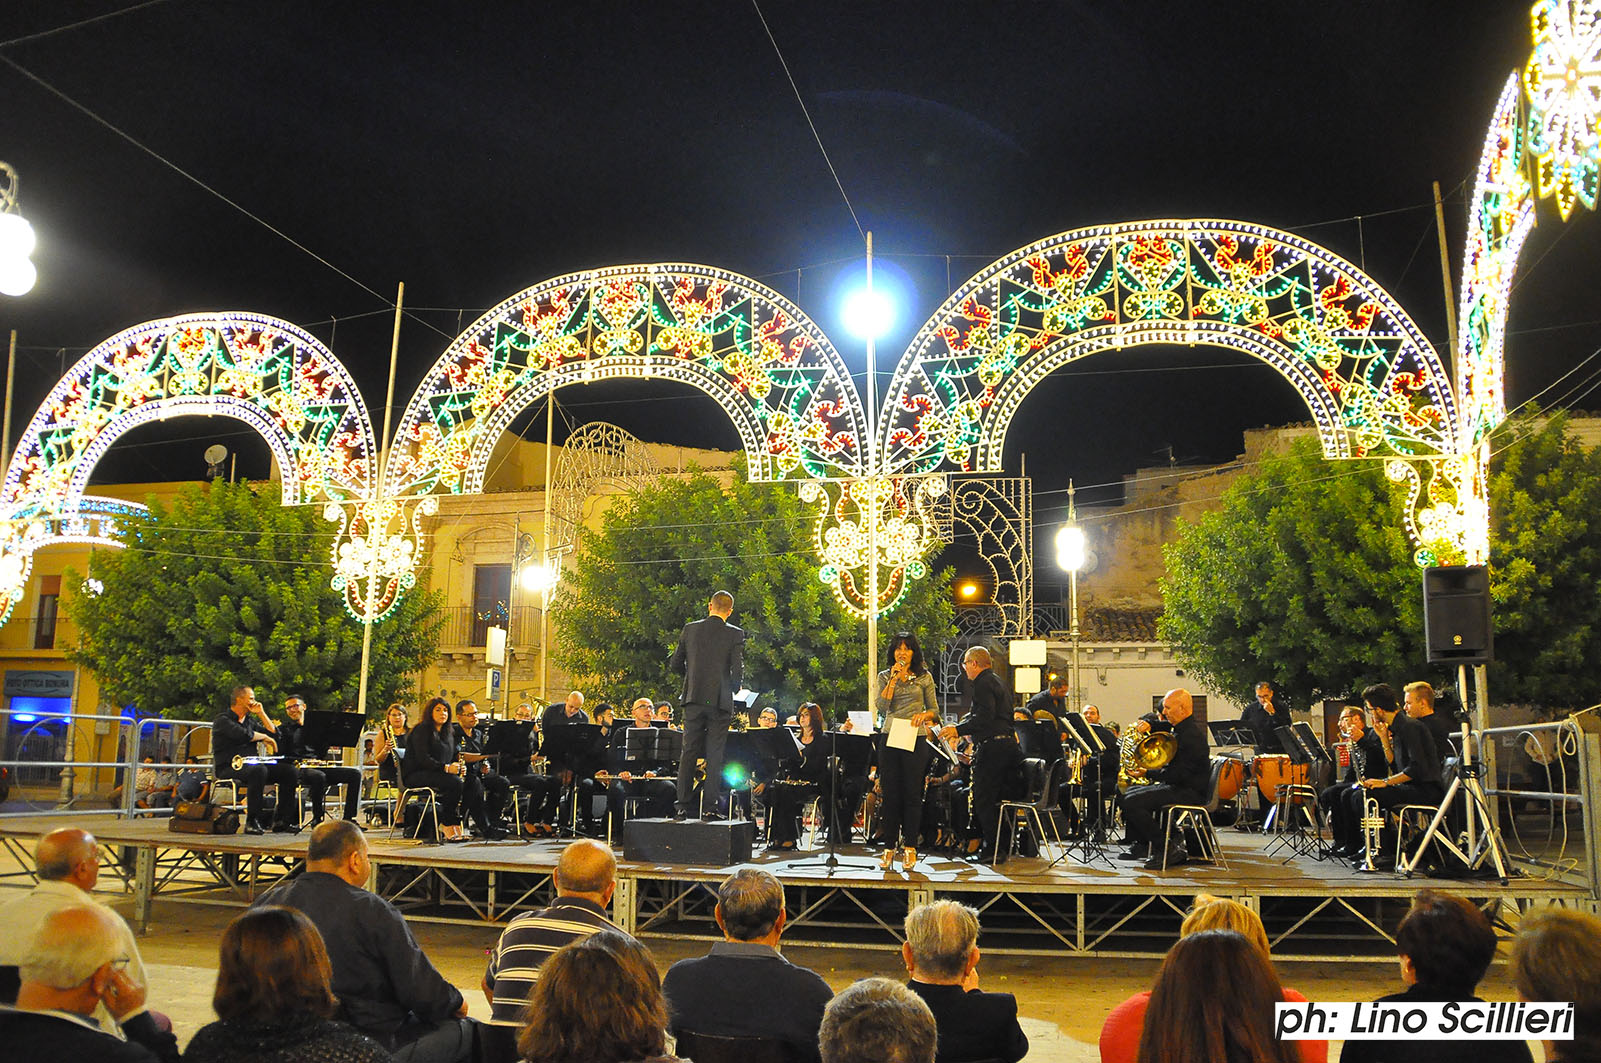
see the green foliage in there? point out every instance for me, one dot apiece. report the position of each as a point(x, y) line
point(665, 549)
point(1305, 576)
point(227, 586)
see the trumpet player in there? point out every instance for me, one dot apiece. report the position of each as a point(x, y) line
point(1410, 773)
point(316, 780)
point(1367, 762)
point(234, 733)
point(1184, 781)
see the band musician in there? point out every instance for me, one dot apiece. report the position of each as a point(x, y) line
point(485, 792)
point(1184, 781)
point(234, 734)
point(316, 780)
point(1413, 766)
point(1264, 717)
point(1096, 773)
point(1367, 762)
point(997, 756)
point(541, 791)
point(645, 784)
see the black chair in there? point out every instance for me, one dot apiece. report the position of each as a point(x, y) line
point(1042, 784)
point(708, 1048)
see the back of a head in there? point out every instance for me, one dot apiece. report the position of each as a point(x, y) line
point(60, 852)
point(750, 900)
point(598, 1000)
point(69, 945)
point(1218, 913)
point(585, 867)
point(1556, 957)
point(332, 842)
point(722, 603)
point(876, 1020)
point(941, 935)
point(1213, 1000)
point(272, 965)
point(1449, 941)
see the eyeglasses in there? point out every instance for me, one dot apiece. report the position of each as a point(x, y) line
point(121, 963)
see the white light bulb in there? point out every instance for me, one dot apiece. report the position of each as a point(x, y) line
point(16, 236)
point(17, 275)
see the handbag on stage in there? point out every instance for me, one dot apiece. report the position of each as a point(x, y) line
point(203, 817)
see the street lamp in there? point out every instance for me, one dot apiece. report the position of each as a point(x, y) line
point(17, 274)
point(1070, 554)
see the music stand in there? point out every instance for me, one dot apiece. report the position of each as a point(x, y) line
point(1039, 738)
point(510, 738)
point(847, 754)
point(1297, 839)
point(1083, 735)
point(325, 730)
point(566, 745)
point(1231, 733)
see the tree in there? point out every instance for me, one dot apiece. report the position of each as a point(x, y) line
point(665, 549)
point(225, 586)
point(1305, 576)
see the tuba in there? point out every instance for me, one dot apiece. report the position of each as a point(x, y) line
point(1147, 752)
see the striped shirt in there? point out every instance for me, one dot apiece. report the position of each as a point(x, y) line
point(524, 945)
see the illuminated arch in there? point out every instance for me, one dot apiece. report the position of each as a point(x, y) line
point(770, 367)
point(1374, 384)
point(265, 372)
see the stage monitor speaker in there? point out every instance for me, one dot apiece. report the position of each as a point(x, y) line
point(1456, 615)
point(704, 843)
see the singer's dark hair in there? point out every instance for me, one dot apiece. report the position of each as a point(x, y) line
point(909, 640)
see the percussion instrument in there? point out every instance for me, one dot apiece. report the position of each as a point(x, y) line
point(1273, 770)
point(1231, 780)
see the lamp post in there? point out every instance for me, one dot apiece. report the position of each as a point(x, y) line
point(1070, 555)
point(17, 274)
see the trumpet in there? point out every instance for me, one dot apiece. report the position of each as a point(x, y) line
point(1372, 821)
point(240, 760)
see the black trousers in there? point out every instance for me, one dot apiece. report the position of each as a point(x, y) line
point(447, 790)
point(1344, 826)
point(1389, 797)
point(317, 780)
point(705, 736)
point(994, 769)
point(484, 797)
point(901, 773)
point(255, 778)
point(1143, 805)
point(544, 797)
point(652, 797)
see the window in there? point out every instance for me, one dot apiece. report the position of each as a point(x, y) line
point(44, 629)
point(491, 600)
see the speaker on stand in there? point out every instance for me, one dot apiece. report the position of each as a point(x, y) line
point(1456, 615)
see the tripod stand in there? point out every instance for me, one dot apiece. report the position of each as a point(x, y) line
point(1481, 840)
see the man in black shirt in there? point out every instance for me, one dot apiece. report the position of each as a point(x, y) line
point(1418, 701)
point(1367, 762)
point(1413, 765)
point(291, 743)
point(234, 734)
point(1264, 717)
point(1053, 700)
point(485, 793)
point(996, 757)
point(1184, 781)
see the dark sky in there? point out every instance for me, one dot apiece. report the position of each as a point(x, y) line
point(474, 149)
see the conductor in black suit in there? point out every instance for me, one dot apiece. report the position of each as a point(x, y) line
point(710, 656)
point(941, 954)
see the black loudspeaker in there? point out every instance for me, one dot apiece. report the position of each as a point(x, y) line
point(705, 843)
point(1456, 615)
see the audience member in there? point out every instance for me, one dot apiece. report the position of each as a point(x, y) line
point(598, 1000)
point(1213, 1000)
point(72, 967)
point(274, 1000)
point(1556, 958)
point(585, 878)
point(1120, 1034)
point(1446, 944)
point(712, 994)
point(876, 1020)
point(67, 861)
point(941, 954)
point(386, 986)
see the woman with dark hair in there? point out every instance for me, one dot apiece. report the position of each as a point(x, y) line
point(804, 780)
point(598, 1000)
point(1557, 957)
point(274, 998)
point(905, 693)
point(431, 761)
point(1446, 945)
point(1213, 1000)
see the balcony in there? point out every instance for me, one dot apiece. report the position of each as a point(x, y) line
point(466, 630)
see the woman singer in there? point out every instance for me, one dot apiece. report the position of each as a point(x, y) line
point(905, 692)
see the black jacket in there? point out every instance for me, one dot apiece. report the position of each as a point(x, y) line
point(973, 1025)
point(1415, 755)
point(714, 995)
point(1373, 766)
point(231, 737)
point(381, 975)
point(1191, 767)
point(38, 1036)
point(1263, 725)
point(427, 750)
point(710, 657)
point(1423, 1050)
point(991, 714)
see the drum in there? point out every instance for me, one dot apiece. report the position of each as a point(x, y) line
point(1273, 770)
point(1230, 779)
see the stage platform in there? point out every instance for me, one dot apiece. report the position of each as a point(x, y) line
point(1312, 909)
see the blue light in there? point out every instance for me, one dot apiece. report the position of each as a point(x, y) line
point(24, 717)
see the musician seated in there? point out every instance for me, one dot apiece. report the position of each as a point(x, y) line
point(1411, 773)
point(800, 780)
point(1183, 781)
point(574, 767)
point(1367, 762)
point(539, 793)
point(315, 780)
point(641, 781)
point(485, 793)
point(1096, 774)
point(234, 734)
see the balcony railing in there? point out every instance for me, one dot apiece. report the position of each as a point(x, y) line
point(467, 628)
point(47, 632)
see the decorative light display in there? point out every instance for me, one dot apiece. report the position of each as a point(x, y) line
point(376, 551)
point(260, 370)
point(1562, 80)
point(774, 371)
point(846, 545)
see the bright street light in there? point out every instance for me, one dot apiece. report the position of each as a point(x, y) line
point(17, 274)
point(1070, 547)
point(868, 313)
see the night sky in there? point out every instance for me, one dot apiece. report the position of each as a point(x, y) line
point(474, 149)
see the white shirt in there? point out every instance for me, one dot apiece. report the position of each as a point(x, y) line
point(22, 917)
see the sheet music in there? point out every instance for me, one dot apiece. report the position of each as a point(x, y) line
point(861, 721)
point(902, 734)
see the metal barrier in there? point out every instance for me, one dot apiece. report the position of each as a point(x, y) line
point(1576, 759)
